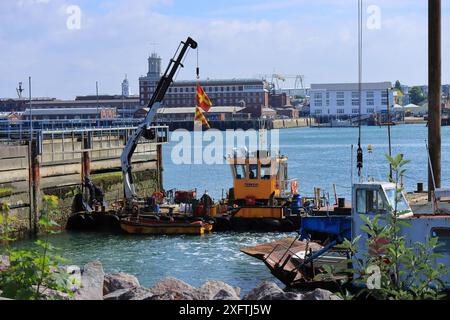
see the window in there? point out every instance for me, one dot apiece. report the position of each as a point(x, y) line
point(266, 171)
point(240, 171)
point(340, 103)
point(318, 111)
point(443, 235)
point(340, 111)
point(355, 98)
point(402, 205)
point(340, 95)
point(355, 110)
point(317, 95)
point(370, 95)
point(370, 202)
point(370, 110)
point(253, 171)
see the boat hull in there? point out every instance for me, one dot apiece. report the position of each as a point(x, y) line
point(165, 228)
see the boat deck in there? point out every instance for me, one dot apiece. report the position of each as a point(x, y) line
point(284, 259)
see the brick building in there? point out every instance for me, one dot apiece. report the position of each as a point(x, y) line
point(251, 94)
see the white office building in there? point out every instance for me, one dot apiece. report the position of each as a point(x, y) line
point(342, 99)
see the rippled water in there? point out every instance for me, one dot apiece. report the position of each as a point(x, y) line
point(193, 259)
point(322, 157)
point(318, 157)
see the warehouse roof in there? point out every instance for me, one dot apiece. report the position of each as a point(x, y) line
point(352, 86)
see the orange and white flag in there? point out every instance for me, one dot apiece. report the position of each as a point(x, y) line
point(200, 118)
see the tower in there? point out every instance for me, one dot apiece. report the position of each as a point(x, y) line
point(154, 66)
point(125, 87)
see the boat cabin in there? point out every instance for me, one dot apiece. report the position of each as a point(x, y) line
point(260, 177)
point(378, 198)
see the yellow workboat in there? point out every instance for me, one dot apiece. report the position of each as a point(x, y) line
point(138, 225)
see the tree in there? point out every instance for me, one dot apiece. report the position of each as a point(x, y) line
point(398, 86)
point(417, 96)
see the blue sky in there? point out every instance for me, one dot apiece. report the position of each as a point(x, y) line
point(246, 38)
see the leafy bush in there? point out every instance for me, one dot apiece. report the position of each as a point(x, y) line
point(393, 269)
point(34, 274)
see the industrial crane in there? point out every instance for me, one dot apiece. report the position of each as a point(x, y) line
point(144, 130)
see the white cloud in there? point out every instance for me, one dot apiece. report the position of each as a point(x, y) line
point(116, 40)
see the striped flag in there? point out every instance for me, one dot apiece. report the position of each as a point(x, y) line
point(200, 118)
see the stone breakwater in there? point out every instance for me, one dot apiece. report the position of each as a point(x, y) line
point(95, 284)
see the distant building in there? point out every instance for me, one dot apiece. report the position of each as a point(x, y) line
point(19, 105)
point(69, 114)
point(446, 90)
point(125, 87)
point(188, 113)
point(251, 94)
point(125, 106)
point(342, 99)
point(287, 112)
point(279, 100)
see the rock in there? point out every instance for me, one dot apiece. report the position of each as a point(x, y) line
point(264, 291)
point(141, 293)
point(117, 295)
point(172, 295)
point(4, 263)
point(320, 294)
point(118, 281)
point(290, 296)
point(136, 293)
point(49, 294)
point(223, 295)
point(92, 278)
point(211, 289)
point(172, 285)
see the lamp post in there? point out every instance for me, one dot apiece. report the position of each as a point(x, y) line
point(30, 104)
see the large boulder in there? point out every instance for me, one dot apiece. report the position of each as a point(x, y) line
point(172, 284)
point(264, 291)
point(117, 281)
point(92, 278)
point(320, 294)
point(136, 293)
point(172, 295)
point(218, 290)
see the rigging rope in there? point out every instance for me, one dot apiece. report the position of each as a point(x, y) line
point(360, 48)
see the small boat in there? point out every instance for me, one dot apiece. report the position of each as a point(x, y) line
point(153, 225)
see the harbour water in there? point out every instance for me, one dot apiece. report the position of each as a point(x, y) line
point(322, 157)
point(317, 158)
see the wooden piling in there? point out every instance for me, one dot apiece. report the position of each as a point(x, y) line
point(160, 167)
point(35, 178)
point(434, 83)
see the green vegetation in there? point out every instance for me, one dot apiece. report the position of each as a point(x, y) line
point(110, 176)
point(33, 274)
point(6, 192)
point(398, 86)
point(392, 269)
point(417, 96)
